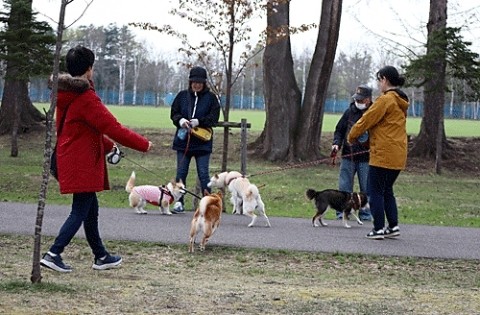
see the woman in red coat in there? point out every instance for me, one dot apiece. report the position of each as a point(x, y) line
point(87, 134)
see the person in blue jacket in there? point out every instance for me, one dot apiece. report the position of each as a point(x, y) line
point(194, 107)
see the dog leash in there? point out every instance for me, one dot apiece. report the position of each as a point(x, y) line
point(122, 154)
point(302, 165)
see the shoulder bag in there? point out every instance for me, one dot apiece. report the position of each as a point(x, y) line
point(53, 157)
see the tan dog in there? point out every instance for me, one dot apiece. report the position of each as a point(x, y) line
point(206, 219)
point(246, 196)
point(223, 180)
point(162, 197)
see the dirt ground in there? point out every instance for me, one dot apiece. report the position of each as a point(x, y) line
point(464, 160)
point(164, 279)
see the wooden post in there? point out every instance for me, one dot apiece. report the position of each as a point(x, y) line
point(243, 147)
point(198, 192)
point(243, 125)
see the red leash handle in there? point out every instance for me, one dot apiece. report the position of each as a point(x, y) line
point(333, 156)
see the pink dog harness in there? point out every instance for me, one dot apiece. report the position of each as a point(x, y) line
point(153, 194)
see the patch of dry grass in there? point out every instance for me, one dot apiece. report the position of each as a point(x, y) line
point(160, 279)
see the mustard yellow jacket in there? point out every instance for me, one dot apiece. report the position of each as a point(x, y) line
point(385, 121)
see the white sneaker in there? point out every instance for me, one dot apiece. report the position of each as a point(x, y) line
point(178, 207)
point(391, 232)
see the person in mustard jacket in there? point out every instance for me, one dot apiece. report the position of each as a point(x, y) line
point(385, 121)
point(86, 137)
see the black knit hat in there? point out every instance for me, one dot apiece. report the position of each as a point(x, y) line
point(198, 74)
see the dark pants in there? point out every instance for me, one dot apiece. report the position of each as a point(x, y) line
point(84, 210)
point(381, 198)
point(202, 160)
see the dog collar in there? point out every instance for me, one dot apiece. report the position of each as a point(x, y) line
point(232, 179)
point(165, 191)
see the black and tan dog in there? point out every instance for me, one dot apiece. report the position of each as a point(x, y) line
point(339, 200)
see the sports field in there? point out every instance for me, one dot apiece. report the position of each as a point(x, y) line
point(159, 117)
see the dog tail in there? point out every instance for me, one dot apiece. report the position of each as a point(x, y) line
point(310, 193)
point(130, 183)
point(251, 192)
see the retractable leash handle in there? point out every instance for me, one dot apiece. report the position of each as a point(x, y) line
point(333, 155)
point(114, 156)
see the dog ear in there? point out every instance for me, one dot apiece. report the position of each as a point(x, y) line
point(205, 192)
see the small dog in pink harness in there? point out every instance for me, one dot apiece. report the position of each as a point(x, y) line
point(162, 197)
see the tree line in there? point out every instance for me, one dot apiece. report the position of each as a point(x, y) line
point(126, 69)
point(128, 72)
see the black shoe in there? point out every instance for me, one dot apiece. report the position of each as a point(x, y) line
point(55, 263)
point(107, 263)
point(391, 232)
point(376, 235)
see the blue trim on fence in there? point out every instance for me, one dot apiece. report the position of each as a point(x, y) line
point(457, 111)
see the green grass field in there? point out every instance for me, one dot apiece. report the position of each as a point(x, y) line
point(159, 117)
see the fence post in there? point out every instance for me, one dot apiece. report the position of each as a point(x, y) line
point(243, 147)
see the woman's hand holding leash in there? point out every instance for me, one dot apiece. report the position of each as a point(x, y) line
point(194, 123)
point(114, 156)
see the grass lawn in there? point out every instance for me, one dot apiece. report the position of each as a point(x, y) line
point(159, 117)
point(158, 278)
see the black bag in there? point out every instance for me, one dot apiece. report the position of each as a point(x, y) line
point(53, 157)
point(53, 163)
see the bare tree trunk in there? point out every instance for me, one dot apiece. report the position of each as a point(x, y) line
point(15, 101)
point(228, 94)
point(282, 95)
point(433, 115)
point(122, 65)
point(16, 122)
point(36, 276)
point(307, 137)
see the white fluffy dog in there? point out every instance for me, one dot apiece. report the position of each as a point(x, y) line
point(223, 180)
point(246, 196)
point(162, 197)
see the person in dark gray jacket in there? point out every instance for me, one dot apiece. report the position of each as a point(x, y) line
point(194, 107)
point(354, 157)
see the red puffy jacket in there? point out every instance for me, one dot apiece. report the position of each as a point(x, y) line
point(86, 137)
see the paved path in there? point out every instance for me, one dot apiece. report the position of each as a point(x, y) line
point(285, 233)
